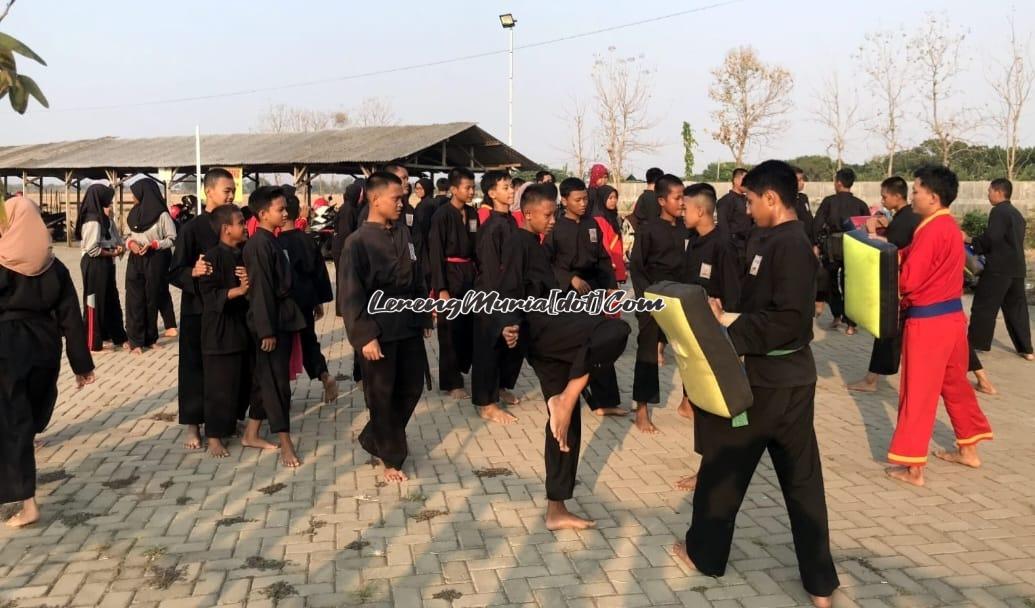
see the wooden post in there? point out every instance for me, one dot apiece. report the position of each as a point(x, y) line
point(68, 210)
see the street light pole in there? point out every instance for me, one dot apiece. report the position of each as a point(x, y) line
point(508, 22)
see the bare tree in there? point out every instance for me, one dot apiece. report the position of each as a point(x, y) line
point(1012, 86)
point(883, 58)
point(576, 148)
point(622, 100)
point(7, 9)
point(286, 119)
point(836, 110)
point(935, 50)
point(374, 112)
point(753, 99)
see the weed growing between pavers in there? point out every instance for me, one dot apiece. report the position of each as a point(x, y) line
point(164, 417)
point(153, 553)
point(865, 563)
point(698, 589)
point(165, 577)
point(429, 514)
point(71, 520)
point(261, 563)
point(272, 489)
point(380, 483)
point(52, 476)
point(414, 497)
point(279, 591)
point(182, 500)
point(230, 521)
point(9, 604)
point(314, 525)
point(118, 484)
point(493, 472)
point(357, 545)
point(168, 483)
point(365, 593)
point(448, 594)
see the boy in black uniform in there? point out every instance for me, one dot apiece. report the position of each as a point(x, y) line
point(188, 266)
point(379, 256)
point(732, 212)
point(564, 350)
point(657, 255)
point(580, 263)
point(310, 289)
point(494, 368)
point(273, 317)
point(451, 255)
point(226, 345)
point(773, 333)
point(832, 218)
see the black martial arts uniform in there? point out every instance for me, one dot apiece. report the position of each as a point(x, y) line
point(576, 249)
point(451, 244)
point(887, 352)
point(347, 222)
point(35, 313)
point(378, 257)
point(733, 217)
point(494, 366)
point(310, 286)
point(226, 344)
point(147, 280)
point(102, 310)
point(832, 219)
point(658, 254)
point(1001, 284)
point(560, 348)
point(773, 334)
point(804, 212)
point(197, 237)
point(645, 209)
point(271, 314)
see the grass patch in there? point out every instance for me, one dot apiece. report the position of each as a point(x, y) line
point(272, 489)
point(314, 525)
point(168, 483)
point(429, 514)
point(164, 417)
point(153, 553)
point(279, 591)
point(357, 545)
point(448, 594)
point(165, 577)
point(364, 593)
point(493, 472)
point(118, 484)
point(415, 497)
point(52, 476)
point(261, 563)
point(230, 521)
point(182, 500)
point(71, 520)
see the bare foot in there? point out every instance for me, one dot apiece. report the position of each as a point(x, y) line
point(611, 411)
point(257, 442)
point(560, 408)
point(679, 552)
point(984, 385)
point(124, 346)
point(29, 514)
point(458, 393)
point(288, 456)
point(494, 413)
point(821, 602)
point(508, 397)
point(330, 388)
point(685, 409)
point(819, 309)
point(866, 385)
point(216, 449)
point(1028, 356)
point(558, 517)
point(911, 475)
point(136, 351)
point(193, 441)
point(850, 331)
point(966, 457)
point(643, 420)
point(661, 355)
point(156, 346)
point(171, 333)
point(687, 483)
point(394, 475)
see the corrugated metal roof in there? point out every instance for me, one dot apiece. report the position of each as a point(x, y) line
point(343, 149)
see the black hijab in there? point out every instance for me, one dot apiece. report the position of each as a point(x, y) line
point(91, 209)
point(429, 190)
point(600, 207)
point(151, 206)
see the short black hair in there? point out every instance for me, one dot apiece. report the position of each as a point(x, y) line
point(263, 196)
point(1003, 186)
point(666, 184)
point(291, 202)
point(442, 183)
point(799, 171)
point(896, 185)
point(380, 179)
point(845, 176)
point(212, 177)
point(458, 175)
point(738, 171)
point(541, 174)
point(223, 215)
point(490, 179)
point(571, 184)
point(774, 175)
point(653, 174)
point(538, 193)
point(700, 190)
point(939, 180)
point(393, 167)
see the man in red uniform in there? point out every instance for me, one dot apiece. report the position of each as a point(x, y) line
point(934, 344)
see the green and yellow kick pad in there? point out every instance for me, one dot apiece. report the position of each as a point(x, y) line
point(871, 283)
point(711, 371)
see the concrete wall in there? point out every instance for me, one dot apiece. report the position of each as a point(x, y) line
point(972, 196)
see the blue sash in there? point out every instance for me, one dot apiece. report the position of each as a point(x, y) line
point(934, 310)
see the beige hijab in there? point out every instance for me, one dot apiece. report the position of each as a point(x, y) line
point(24, 240)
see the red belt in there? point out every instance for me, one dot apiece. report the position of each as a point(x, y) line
point(459, 260)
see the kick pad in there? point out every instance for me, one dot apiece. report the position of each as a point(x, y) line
point(871, 283)
point(710, 369)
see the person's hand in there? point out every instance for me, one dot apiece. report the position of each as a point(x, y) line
point(133, 247)
point(815, 250)
point(427, 334)
point(201, 267)
point(443, 295)
point(871, 225)
point(118, 251)
point(510, 335)
point(268, 344)
point(372, 351)
point(245, 283)
point(580, 286)
point(82, 380)
point(716, 306)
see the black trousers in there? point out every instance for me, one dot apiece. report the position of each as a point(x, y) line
point(570, 347)
point(191, 373)
point(271, 384)
point(166, 310)
point(780, 422)
point(312, 357)
point(392, 386)
point(646, 386)
point(26, 404)
point(886, 355)
point(102, 310)
point(227, 390)
point(995, 292)
point(836, 297)
point(146, 281)
point(493, 366)
point(456, 337)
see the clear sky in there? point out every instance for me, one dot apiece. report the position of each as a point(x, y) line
point(115, 52)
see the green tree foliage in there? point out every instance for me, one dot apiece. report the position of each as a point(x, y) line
point(18, 87)
point(974, 223)
point(689, 143)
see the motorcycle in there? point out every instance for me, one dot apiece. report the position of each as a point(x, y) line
point(55, 223)
point(321, 228)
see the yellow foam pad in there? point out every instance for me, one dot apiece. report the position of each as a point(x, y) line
point(871, 283)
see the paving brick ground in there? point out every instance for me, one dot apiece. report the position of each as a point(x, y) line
point(132, 518)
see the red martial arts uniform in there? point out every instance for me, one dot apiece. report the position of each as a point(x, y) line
point(934, 344)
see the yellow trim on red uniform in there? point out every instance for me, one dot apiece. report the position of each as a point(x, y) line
point(907, 459)
point(930, 219)
point(974, 439)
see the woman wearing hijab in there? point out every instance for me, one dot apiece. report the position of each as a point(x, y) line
point(605, 212)
point(38, 306)
point(150, 242)
point(101, 244)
